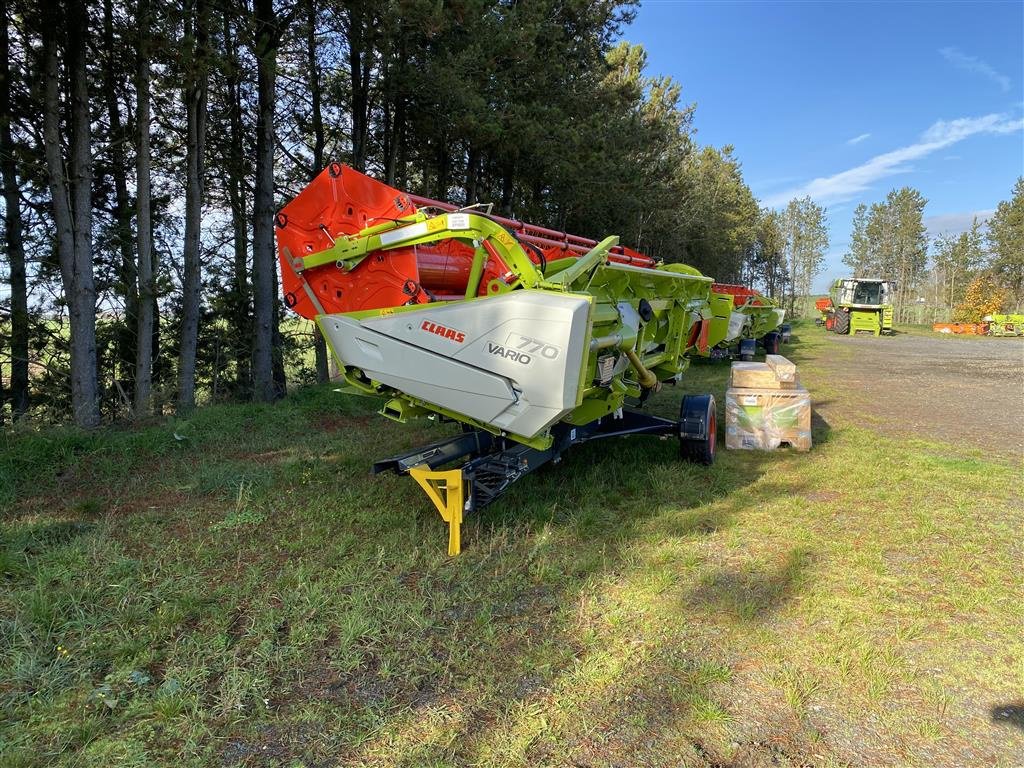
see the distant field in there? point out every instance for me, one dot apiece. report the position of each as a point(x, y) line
point(235, 589)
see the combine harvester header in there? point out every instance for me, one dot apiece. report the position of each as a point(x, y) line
point(532, 339)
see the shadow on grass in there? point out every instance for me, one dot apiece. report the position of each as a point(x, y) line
point(333, 626)
point(596, 506)
point(821, 430)
point(45, 534)
point(503, 606)
point(753, 594)
point(1009, 714)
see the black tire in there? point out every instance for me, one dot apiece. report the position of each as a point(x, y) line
point(842, 324)
point(698, 429)
point(771, 343)
point(748, 348)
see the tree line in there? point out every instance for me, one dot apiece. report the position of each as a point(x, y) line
point(933, 276)
point(145, 147)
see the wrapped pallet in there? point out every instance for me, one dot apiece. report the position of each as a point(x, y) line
point(766, 407)
point(760, 376)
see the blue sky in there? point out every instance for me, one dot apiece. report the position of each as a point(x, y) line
point(847, 101)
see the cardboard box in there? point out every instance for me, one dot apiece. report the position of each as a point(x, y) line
point(761, 376)
point(765, 418)
point(784, 370)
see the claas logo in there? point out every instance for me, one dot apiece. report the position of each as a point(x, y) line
point(448, 333)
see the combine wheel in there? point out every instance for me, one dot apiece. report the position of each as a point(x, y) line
point(698, 427)
point(842, 323)
point(771, 343)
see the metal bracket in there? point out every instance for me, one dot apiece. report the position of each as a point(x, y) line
point(446, 490)
point(490, 464)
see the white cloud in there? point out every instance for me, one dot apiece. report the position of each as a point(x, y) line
point(961, 60)
point(946, 132)
point(954, 223)
point(846, 185)
point(858, 139)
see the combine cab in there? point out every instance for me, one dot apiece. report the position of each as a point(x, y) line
point(533, 339)
point(857, 305)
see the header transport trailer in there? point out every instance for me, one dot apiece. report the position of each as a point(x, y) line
point(532, 339)
point(741, 318)
point(990, 325)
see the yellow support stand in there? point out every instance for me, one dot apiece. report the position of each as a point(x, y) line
point(447, 492)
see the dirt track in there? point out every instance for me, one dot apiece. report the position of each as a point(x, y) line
point(961, 391)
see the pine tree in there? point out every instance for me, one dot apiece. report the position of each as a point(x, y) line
point(13, 232)
point(859, 257)
point(72, 199)
point(1006, 240)
point(897, 245)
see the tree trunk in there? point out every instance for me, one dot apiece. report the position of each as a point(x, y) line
point(315, 89)
point(84, 375)
point(319, 346)
point(263, 264)
point(194, 96)
point(794, 247)
point(508, 189)
point(235, 171)
point(280, 379)
point(13, 234)
point(472, 173)
point(144, 331)
point(442, 163)
point(122, 211)
point(359, 80)
point(394, 158)
point(397, 108)
point(72, 201)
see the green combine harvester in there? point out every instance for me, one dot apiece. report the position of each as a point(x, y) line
point(857, 305)
point(533, 340)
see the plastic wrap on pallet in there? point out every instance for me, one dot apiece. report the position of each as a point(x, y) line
point(764, 419)
point(784, 370)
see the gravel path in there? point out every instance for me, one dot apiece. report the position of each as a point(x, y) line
point(961, 391)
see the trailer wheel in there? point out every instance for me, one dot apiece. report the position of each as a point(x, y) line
point(698, 429)
point(842, 323)
point(771, 343)
point(748, 348)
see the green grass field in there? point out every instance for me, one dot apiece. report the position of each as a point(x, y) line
point(235, 589)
